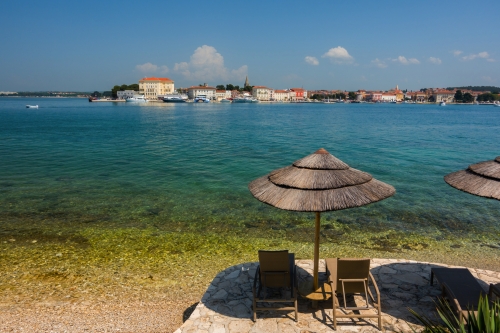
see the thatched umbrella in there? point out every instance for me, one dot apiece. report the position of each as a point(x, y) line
point(318, 183)
point(482, 179)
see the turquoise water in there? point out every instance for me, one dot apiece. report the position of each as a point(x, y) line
point(177, 167)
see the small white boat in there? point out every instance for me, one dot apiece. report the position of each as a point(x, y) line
point(32, 106)
point(442, 103)
point(201, 99)
point(137, 99)
point(496, 104)
point(175, 98)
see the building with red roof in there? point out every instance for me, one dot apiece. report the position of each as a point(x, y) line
point(156, 87)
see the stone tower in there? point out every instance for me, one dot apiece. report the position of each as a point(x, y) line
point(246, 82)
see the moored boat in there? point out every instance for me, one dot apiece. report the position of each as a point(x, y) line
point(137, 99)
point(175, 98)
point(442, 103)
point(245, 100)
point(201, 99)
point(225, 100)
point(32, 106)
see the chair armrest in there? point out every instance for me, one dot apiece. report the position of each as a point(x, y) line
point(494, 290)
point(256, 277)
point(371, 278)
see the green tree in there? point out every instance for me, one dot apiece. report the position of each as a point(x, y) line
point(229, 87)
point(468, 98)
point(248, 88)
point(487, 97)
point(220, 87)
point(352, 95)
point(237, 88)
point(459, 96)
point(341, 95)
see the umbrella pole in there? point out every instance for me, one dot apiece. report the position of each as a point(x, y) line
point(316, 250)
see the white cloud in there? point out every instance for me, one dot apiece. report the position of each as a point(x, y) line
point(490, 60)
point(435, 61)
point(404, 61)
point(311, 60)
point(339, 55)
point(483, 55)
point(488, 79)
point(207, 64)
point(456, 53)
point(379, 63)
point(151, 68)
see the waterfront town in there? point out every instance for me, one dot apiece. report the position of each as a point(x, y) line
point(154, 88)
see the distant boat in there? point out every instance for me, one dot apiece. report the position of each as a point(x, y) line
point(137, 99)
point(245, 100)
point(32, 106)
point(175, 98)
point(201, 99)
point(225, 100)
point(328, 101)
point(496, 104)
point(442, 103)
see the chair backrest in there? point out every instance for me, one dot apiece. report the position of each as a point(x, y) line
point(274, 268)
point(352, 269)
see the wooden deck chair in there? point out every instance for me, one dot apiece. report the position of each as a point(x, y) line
point(276, 271)
point(352, 276)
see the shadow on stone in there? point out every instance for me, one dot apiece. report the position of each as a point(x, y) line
point(187, 313)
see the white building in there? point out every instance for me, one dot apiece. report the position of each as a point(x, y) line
point(221, 94)
point(208, 92)
point(261, 93)
point(388, 97)
point(281, 95)
point(126, 94)
point(155, 87)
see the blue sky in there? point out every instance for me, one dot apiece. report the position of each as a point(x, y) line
point(350, 45)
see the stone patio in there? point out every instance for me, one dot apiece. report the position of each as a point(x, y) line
point(226, 306)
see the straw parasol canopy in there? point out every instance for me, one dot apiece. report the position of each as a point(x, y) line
point(319, 182)
point(482, 179)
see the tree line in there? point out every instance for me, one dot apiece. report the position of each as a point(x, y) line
point(232, 87)
point(491, 89)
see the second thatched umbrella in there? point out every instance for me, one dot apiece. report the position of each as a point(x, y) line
point(318, 183)
point(482, 179)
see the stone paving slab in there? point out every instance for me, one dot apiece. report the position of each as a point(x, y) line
point(226, 307)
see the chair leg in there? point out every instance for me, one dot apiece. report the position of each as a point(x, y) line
point(254, 309)
point(379, 310)
point(334, 312)
point(296, 311)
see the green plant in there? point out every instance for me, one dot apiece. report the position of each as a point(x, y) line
point(485, 320)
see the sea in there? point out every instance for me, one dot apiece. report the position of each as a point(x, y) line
point(71, 164)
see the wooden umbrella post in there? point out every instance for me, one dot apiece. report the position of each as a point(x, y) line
point(316, 250)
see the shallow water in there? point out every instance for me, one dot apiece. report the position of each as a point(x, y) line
point(71, 169)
